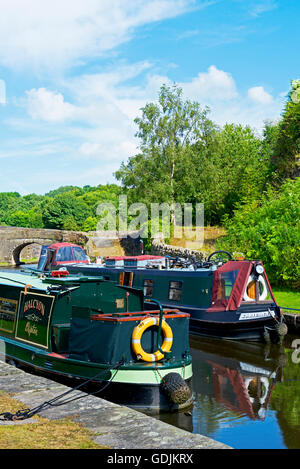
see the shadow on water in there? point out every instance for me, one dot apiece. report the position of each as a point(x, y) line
point(246, 395)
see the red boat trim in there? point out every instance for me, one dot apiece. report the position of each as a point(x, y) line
point(137, 316)
point(56, 355)
point(235, 299)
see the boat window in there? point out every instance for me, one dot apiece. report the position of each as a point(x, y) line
point(8, 309)
point(225, 285)
point(130, 263)
point(110, 262)
point(64, 254)
point(148, 287)
point(175, 291)
point(79, 254)
point(257, 290)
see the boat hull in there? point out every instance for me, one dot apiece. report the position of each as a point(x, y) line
point(250, 331)
point(228, 325)
point(136, 386)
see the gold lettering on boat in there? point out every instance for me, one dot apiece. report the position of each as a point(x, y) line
point(36, 305)
point(31, 329)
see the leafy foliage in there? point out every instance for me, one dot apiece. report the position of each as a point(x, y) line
point(269, 229)
point(67, 208)
point(186, 158)
point(168, 131)
point(286, 155)
point(235, 168)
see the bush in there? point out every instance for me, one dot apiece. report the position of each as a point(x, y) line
point(269, 230)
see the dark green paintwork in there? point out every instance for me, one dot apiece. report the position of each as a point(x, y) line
point(196, 286)
point(54, 317)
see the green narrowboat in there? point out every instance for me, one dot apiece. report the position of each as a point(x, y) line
point(226, 298)
point(90, 329)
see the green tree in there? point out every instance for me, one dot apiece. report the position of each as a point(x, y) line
point(90, 224)
point(269, 229)
point(29, 219)
point(167, 132)
point(234, 169)
point(64, 212)
point(63, 190)
point(7, 200)
point(286, 156)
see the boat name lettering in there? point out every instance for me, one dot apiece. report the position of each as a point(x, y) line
point(34, 304)
point(31, 329)
point(256, 315)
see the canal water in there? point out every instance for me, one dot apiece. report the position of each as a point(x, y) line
point(246, 395)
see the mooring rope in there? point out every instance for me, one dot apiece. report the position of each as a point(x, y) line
point(291, 309)
point(28, 413)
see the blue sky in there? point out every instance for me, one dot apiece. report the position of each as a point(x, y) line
point(75, 73)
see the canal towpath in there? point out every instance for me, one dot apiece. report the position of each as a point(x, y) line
point(113, 426)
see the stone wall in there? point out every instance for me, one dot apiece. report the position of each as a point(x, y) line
point(160, 248)
point(105, 243)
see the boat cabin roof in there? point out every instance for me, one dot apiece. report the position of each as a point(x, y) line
point(21, 279)
point(61, 245)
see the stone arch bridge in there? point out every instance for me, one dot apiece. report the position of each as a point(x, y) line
point(13, 240)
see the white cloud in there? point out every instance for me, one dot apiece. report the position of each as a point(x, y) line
point(60, 34)
point(48, 105)
point(259, 95)
point(211, 86)
point(105, 105)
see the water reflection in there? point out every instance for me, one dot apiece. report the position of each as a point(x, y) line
point(241, 377)
point(245, 394)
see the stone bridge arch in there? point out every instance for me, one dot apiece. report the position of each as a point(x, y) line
point(13, 240)
point(16, 253)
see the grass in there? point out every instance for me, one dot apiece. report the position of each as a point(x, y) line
point(43, 433)
point(33, 260)
point(287, 298)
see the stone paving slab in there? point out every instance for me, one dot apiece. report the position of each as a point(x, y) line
point(114, 426)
